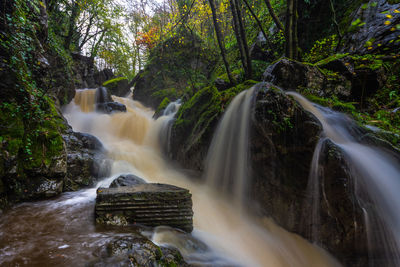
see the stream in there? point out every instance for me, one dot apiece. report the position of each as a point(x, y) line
point(61, 231)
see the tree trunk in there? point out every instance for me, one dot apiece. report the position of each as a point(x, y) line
point(235, 21)
point(292, 41)
point(219, 39)
point(274, 16)
point(71, 26)
point(248, 71)
point(295, 32)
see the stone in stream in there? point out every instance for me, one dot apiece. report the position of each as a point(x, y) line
point(146, 204)
point(136, 250)
point(126, 180)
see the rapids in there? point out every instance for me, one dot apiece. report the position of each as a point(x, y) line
point(61, 231)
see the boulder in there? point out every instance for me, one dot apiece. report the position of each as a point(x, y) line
point(110, 107)
point(281, 149)
point(118, 86)
point(83, 68)
point(86, 161)
point(296, 76)
point(104, 75)
point(378, 32)
point(126, 180)
point(136, 250)
point(146, 204)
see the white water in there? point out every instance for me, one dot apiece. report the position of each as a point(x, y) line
point(227, 160)
point(376, 172)
point(63, 232)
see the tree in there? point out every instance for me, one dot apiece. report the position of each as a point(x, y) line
point(240, 35)
point(292, 42)
point(219, 39)
point(275, 18)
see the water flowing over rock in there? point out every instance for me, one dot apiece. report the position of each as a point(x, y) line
point(227, 160)
point(147, 204)
point(86, 161)
point(353, 200)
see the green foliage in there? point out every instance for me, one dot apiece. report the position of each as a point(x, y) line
point(322, 49)
point(333, 103)
point(162, 105)
point(30, 125)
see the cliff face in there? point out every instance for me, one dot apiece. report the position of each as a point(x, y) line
point(36, 78)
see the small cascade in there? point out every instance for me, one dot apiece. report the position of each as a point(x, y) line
point(172, 108)
point(313, 187)
point(86, 99)
point(376, 174)
point(227, 160)
point(166, 121)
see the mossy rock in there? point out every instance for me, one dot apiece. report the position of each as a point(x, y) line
point(118, 86)
point(196, 121)
point(161, 107)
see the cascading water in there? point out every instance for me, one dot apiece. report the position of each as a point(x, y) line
point(376, 175)
point(61, 232)
point(227, 159)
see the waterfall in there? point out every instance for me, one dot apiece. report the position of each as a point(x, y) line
point(376, 175)
point(227, 161)
point(61, 231)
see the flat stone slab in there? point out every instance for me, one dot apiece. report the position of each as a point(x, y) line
point(148, 204)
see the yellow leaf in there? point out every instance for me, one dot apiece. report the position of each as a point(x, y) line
point(389, 16)
point(396, 11)
point(387, 22)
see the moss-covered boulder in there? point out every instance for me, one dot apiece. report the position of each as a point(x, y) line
point(179, 61)
point(296, 76)
point(196, 121)
point(32, 153)
point(118, 86)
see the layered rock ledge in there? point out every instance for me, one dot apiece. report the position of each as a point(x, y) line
point(146, 204)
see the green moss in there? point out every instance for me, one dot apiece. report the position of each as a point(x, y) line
point(115, 80)
point(163, 105)
point(330, 59)
point(197, 113)
point(201, 112)
point(333, 103)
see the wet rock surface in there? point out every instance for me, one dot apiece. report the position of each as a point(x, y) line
point(146, 204)
point(378, 29)
point(127, 180)
point(110, 107)
point(118, 86)
point(86, 161)
point(137, 250)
